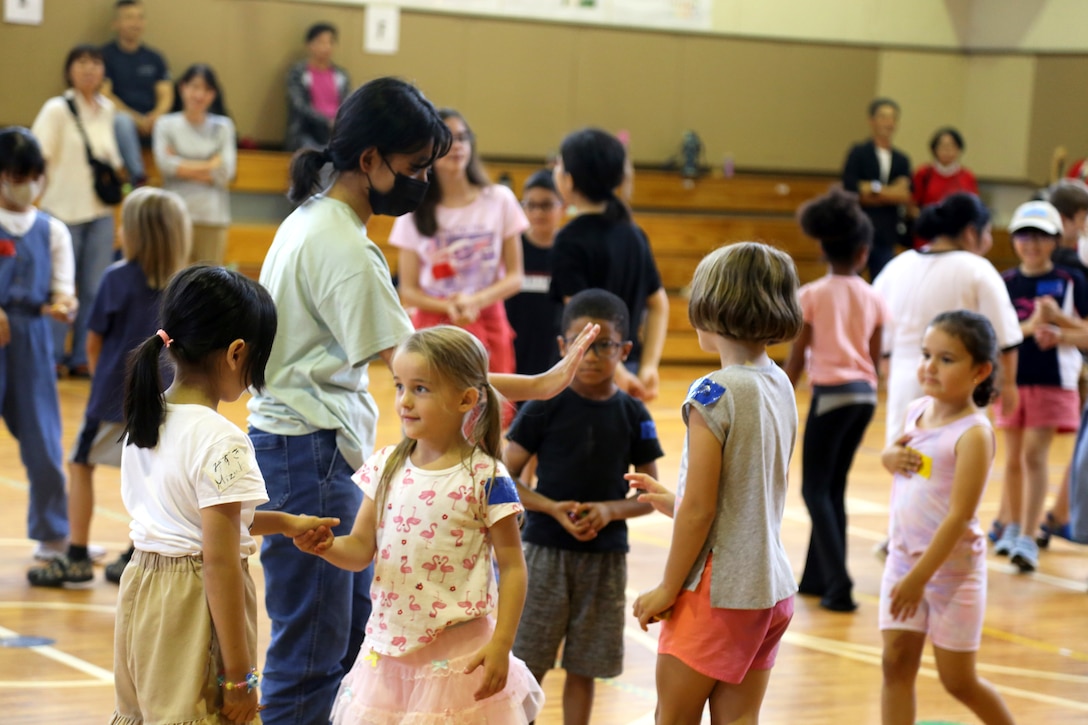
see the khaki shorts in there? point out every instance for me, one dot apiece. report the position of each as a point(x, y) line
point(165, 650)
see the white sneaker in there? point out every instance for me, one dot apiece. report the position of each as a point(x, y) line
point(56, 548)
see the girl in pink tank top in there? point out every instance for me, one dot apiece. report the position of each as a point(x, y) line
point(935, 576)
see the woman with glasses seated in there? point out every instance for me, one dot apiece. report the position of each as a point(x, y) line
point(533, 313)
point(460, 254)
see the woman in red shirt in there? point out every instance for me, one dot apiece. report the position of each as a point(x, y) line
point(944, 176)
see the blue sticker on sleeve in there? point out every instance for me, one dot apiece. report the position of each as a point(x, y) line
point(501, 490)
point(705, 391)
point(649, 430)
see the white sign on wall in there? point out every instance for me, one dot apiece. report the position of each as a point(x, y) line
point(382, 32)
point(24, 12)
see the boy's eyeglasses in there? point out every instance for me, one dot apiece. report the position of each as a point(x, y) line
point(544, 206)
point(602, 348)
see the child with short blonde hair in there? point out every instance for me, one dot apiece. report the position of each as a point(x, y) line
point(727, 592)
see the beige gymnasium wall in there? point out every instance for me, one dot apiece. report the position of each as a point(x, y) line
point(771, 104)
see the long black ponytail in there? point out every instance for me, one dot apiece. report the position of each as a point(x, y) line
point(204, 310)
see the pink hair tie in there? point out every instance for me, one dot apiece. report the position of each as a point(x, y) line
point(166, 339)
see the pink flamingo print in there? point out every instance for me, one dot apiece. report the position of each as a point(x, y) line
point(429, 533)
point(408, 480)
point(470, 562)
point(480, 604)
point(388, 598)
point(400, 642)
point(429, 636)
point(470, 497)
point(440, 564)
point(427, 496)
point(405, 569)
point(456, 496)
point(469, 606)
point(413, 607)
point(381, 621)
point(405, 524)
point(438, 604)
point(386, 551)
point(458, 534)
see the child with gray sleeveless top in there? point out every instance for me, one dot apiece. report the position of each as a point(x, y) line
point(726, 597)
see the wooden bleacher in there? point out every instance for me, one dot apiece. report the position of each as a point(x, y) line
point(683, 220)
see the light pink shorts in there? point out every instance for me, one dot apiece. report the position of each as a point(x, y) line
point(1043, 406)
point(723, 643)
point(952, 606)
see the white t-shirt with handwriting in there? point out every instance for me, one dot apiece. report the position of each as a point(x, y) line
point(202, 460)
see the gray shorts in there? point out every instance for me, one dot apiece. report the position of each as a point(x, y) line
point(98, 443)
point(578, 598)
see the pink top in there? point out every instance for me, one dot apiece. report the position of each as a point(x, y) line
point(323, 92)
point(466, 254)
point(844, 311)
point(433, 565)
point(920, 502)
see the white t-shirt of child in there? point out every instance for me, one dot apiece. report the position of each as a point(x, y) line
point(202, 460)
point(466, 254)
point(433, 567)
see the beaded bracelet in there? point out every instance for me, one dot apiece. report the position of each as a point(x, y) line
point(250, 683)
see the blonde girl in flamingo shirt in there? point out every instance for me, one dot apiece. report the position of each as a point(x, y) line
point(436, 508)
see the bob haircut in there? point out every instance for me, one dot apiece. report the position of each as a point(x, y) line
point(747, 292)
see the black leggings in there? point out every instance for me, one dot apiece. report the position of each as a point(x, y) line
point(831, 440)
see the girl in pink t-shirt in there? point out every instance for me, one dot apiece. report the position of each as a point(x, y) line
point(935, 575)
point(460, 251)
point(840, 342)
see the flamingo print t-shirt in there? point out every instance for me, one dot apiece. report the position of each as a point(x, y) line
point(433, 563)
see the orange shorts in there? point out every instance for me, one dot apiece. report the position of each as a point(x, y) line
point(723, 643)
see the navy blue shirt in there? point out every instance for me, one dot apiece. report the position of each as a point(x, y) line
point(534, 314)
point(583, 448)
point(1059, 366)
point(133, 75)
point(125, 313)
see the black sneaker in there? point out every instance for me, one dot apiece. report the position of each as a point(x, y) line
point(116, 568)
point(63, 572)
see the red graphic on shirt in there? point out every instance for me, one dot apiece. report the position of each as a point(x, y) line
point(7, 248)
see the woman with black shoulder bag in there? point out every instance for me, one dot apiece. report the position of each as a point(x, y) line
point(82, 161)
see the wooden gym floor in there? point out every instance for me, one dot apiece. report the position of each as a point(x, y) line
point(1035, 645)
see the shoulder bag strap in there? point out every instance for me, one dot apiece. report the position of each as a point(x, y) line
point(79, 124)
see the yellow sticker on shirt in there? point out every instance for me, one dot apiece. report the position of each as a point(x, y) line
point(926, 469)
point(230, 467)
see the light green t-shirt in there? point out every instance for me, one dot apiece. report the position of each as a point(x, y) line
point(337, 311)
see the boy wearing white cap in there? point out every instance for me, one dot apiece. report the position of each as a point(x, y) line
point(1050, 301)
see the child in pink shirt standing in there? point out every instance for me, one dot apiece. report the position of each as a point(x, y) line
point(935, 575)
point(840, 342)
point(460, 251)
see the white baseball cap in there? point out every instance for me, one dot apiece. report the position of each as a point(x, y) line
point(1039, 215)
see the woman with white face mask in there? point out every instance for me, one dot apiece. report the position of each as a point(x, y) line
point(70, 194)
point(36, 281)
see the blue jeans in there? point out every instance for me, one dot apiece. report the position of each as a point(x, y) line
point(31, 411)
point(92, 243)
point(318, 611)
point(128, 143)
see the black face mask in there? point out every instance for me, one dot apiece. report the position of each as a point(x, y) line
point(405, 196)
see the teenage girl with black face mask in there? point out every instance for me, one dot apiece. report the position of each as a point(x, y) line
point(314, 422)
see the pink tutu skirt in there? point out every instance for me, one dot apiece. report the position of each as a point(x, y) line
point(429, 685)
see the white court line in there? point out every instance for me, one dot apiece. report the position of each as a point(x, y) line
point(103, 677)
point(122, 516)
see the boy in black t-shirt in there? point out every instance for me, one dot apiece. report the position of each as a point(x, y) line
point(585, 440)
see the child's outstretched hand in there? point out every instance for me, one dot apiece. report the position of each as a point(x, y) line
point(655, 494)
point(653, 606)
point(496, 663)
point(900, 458)
point(315, 541)
point(551, 383)
point(300, 524)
